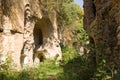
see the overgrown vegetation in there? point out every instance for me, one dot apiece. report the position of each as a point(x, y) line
point(73, 66)
point(89, 66)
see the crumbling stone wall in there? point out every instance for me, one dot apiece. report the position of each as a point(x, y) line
point(28, 32)
point(102, 21)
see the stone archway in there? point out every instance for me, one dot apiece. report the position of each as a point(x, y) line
point(41, 33)
point(45, 40)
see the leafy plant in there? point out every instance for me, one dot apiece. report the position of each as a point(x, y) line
point(71, 12)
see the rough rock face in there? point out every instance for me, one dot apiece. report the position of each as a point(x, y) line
point(26, 33)
point(102, 21)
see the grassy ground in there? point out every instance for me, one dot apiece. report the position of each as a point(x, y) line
point(45, 70)
point(73, 67)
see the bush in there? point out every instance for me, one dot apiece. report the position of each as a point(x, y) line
point(75, 67)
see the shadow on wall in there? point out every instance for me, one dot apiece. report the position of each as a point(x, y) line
point(41, 33)
point(42, 30)
point(38, 37)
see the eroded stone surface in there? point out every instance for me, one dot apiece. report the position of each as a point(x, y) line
point(27, 33)
point(102, 21)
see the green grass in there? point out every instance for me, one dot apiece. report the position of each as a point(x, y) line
point(73, 67)
point(46, 69)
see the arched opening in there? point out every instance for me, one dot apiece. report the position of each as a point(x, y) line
point(42, 30)
point(38, 37)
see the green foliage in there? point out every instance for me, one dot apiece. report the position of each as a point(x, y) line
point(72, 63)
point(7, 64)
point(69, 16)
point(75, 67)
point(72, 19)
point(79, 34)
point(43, 71)
point(70, 13)
point(69, 53)
point(102, 72)
point(67, 1)
point(104, 69)
point(46, 69)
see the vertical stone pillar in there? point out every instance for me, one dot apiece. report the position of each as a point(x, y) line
point(54, 41)
point(27, 52)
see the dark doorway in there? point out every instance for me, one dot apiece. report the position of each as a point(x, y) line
point(38, 37)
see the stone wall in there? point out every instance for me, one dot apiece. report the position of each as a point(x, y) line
point(102, 22)
point(27, 33)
